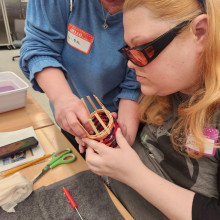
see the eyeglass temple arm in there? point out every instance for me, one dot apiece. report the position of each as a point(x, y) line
point(163, 41)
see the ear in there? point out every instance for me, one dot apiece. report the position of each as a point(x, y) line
point(200, 29)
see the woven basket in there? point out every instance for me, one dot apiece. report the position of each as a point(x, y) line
point(103, 124)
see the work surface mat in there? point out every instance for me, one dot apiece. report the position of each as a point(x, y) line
point(50, 202)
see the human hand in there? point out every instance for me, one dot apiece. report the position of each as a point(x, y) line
point(120, 163)
point(82, 145)
point(124, 131)
point(123, 128)
point(128, 119)
point(69, 110)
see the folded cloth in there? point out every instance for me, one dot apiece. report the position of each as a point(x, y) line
point(49, 202)
point(13, 190)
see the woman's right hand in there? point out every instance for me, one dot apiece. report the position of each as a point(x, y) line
point(69, 109)
point(69, 112)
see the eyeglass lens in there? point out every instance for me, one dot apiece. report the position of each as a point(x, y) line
point(138, 57)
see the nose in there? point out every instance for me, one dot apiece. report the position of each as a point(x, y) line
point(131, 65)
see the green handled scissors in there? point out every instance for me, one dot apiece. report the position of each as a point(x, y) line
point(62, 156)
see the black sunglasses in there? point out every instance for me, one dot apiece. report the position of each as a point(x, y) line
point(144, 54)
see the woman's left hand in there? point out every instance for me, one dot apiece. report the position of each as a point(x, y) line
point(120, 163)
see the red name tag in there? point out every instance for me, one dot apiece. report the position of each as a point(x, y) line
point(79, 39)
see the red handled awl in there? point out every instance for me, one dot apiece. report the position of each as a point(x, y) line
point(73, 204)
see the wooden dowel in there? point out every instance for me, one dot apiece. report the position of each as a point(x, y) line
point(102, 123)
point(102, 106)
point(85, 105)
point(97, 99)
point(83, 128)
point(91, 102)
point(106, 129)
point(93, 126)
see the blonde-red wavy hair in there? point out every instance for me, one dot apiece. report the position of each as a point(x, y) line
point(196, 113)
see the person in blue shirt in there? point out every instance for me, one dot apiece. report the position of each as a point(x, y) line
point(71, 51)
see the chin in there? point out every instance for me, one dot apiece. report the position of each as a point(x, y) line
point(148, 92)
point(152, 92)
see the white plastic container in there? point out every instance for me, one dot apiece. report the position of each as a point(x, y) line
point(13, 92)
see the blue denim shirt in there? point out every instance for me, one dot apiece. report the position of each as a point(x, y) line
point(102, 71)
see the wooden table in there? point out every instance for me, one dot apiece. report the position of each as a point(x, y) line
point(51, 139)
point(30, 115)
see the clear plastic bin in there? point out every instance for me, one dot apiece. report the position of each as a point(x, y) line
point(13, 92)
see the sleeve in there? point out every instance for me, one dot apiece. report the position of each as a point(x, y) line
point(205, 208)
point(130, 87)
point(45, 29)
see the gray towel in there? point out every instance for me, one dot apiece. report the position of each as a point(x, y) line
point(48, 203)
